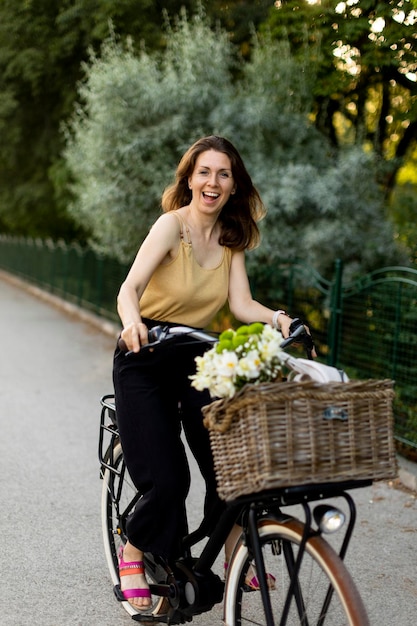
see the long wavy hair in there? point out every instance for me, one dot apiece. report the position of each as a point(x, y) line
point(239, 216)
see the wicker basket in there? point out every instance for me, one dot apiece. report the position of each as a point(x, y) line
point(281, 434)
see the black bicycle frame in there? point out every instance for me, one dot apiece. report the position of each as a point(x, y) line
point(247, 510)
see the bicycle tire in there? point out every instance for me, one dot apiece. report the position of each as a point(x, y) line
point(321, 566)
point(112, 509)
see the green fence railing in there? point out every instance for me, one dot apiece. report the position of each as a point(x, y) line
point(367, 327)
point(76, 274)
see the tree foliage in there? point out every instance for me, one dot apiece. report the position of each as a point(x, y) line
point(366, 90)
point(136, 126)
point(141, 112)
point(42, 46)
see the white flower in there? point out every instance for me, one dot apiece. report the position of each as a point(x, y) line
point(201, 381)
point(226, 364)
point(243, 356)
point(249, 366)
point(223, 388)
point(269, 349)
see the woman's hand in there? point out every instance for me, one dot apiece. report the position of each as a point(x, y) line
point(134, 335)
point(285, 322)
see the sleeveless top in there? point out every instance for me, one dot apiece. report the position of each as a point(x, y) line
point(182, 291)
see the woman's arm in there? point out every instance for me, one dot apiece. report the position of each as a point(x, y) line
point(241, 302)
point(159, 246)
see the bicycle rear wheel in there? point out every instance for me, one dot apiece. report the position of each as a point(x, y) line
point(321, 568)
point(118, 499)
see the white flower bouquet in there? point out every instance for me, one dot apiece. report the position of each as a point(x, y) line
point(247, 355)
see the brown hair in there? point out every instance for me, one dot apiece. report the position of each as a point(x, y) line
point(244, 208)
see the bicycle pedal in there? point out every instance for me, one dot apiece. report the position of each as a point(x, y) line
point(172, 618)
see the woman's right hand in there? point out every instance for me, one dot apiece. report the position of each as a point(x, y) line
point(134, 335)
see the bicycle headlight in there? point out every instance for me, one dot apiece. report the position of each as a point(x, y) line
point(328, 518)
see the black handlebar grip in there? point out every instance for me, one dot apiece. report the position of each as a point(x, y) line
point(298, 331)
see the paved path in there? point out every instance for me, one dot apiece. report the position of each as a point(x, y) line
point(53, 370)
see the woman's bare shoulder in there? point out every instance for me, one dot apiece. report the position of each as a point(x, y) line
point(167, 224)
point(164, 234)
point(170, 220)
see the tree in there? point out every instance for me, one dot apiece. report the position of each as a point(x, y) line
point(323, 202)
point(124, 144)
point(140, 114)
point(240, 18)
point(29, 114)
point(366, 91)
point(42, 46)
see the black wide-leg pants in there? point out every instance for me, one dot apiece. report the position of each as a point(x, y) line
point(154, 401)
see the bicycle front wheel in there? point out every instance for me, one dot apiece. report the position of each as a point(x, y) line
point(321, 570)
point(118, 499)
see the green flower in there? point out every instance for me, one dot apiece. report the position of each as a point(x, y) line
point(247, 355)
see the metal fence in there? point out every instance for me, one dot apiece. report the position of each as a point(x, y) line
point(367, 327)
point(71, 272)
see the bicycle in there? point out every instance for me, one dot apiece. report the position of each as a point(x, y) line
point(311, 582)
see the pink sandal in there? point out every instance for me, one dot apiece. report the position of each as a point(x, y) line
point(128, 568)
point(253, 583)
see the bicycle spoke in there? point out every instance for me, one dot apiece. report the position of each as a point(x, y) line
point(320, 567)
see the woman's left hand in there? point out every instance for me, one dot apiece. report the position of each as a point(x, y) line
point(285, 322)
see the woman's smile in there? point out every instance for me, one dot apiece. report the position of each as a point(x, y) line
point(210, 196)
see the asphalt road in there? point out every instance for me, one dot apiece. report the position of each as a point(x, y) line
point(53, 369)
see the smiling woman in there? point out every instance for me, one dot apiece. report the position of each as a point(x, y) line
point(189, 265)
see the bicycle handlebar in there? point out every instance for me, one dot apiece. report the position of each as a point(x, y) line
point(162, 334)
point(158, 335)
point(297, 334)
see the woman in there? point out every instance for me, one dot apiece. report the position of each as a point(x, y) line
point(189, 265)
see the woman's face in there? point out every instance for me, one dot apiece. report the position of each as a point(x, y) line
point(212, 181)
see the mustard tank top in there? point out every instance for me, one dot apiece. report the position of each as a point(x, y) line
point(182, 291)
